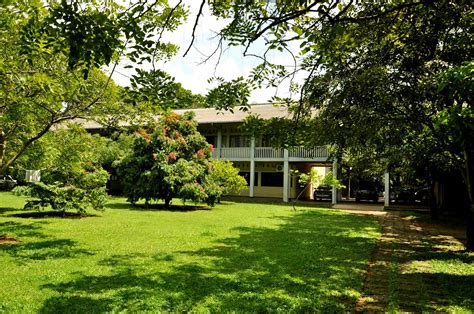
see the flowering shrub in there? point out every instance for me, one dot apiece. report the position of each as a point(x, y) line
point(170, 161)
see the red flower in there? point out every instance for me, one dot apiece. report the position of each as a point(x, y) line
point(172, 155)
point(200, 153)
point(211, 147)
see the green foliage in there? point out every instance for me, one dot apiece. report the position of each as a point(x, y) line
point(72, 176)
point(90, 194)
point(225, 179)
point(156, 90)
point(95, 33)
point(316, 179)
point(228, 95)
point(171, 161)
point(38, 91)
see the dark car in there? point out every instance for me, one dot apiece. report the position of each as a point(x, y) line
point(7, 183)
point(403, 195)
point(367, 194)
point(422, 196)
point(323, 193)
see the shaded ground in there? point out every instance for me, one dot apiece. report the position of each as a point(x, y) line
point(4, 239)
point(408, 271)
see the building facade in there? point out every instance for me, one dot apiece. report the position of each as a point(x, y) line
point(269, 171)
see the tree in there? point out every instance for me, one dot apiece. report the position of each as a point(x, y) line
point(51, 57)
point(387, 79)
point(38, 91)
point(225, 177)
point(171, 161)
point(72, 175)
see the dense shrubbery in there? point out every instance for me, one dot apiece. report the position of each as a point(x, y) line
point(72, 176)
point(174, 161)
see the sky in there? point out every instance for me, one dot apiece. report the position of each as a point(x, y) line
point(194, 75)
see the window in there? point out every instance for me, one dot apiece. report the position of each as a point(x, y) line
point(266, 141)
point(211, 139)
point(239, 141)
point(272, 178)
point(246, 176)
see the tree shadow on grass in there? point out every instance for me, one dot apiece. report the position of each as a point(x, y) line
point(23, 229)
point(311, 262)
point(61, 304)
point(46, 248)
point(52, 214)
point(171, 208)
point(156, 207)
point(4, 210)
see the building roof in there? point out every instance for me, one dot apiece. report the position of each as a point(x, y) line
point(213, 116)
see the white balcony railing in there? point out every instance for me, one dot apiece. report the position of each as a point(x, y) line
point(302, 152)
point(235, 152)
point(270, 153)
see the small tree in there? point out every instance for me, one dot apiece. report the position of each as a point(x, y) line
point(225, 177)
point(171, 161)
point(315, 178)
point(72, 175)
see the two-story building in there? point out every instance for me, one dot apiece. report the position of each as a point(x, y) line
point(268, 170)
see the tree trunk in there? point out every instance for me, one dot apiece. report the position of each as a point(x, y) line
point(433, 203)
point(3, 149)
point(168, 202)
point(470, 229)
point(468, 180)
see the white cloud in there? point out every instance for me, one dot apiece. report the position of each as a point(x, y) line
point(193, 74)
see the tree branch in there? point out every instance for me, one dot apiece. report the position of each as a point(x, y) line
point(193, 35)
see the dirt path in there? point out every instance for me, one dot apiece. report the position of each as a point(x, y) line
point(393, 282)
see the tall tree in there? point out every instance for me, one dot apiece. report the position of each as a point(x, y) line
point(390, 79)
point(50, 60)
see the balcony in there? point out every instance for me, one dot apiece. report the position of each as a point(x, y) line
point(319, 154)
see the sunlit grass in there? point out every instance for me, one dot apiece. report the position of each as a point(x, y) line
point(235, 257)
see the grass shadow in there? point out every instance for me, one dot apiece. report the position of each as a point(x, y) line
point(52, 214)
point(46, 248)
point(312, 262)
point(22, 230)
point(76, 304)
point(4, 210)
point(171, 208)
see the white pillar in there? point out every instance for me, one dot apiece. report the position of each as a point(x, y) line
point(252, 166)
point(387, 189)
point(334, 189)
point(219, 144)
point(286, 172)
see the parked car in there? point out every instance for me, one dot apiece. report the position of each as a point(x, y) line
point(403, 195)
point(367, 194)
point(322, 193)
point(422, 196)
point(7, 183)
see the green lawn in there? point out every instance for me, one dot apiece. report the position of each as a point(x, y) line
point(235, 257)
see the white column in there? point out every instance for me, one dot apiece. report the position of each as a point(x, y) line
point(286, 172)
point(219, 144)
point(334, 189)
point(252, 166)
point(387, 189)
